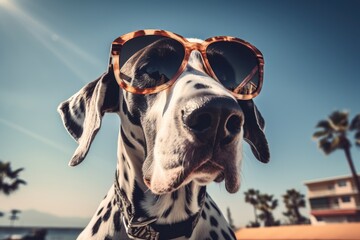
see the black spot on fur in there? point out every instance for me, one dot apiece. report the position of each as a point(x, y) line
point(138, 194)
point(188, 193)
point(107, 237)
point(213, 222)
point(141, 142)
point(123, 157)
point(122, 192)
point(96, 226)
point(98, 213)
point(215, 207)
point(201, 86)
point(124, 108)
point(117, 221)
point(232, 233)
point(203, 215)
point(201, 195)
point(126, 140)
point(167, 212)
point(107, 215)
point(174, 195)
point(189, 81)
point(109, 205)
point(133, 119)
point(225, 235)
point(213, 235)
point(187, 210)
point(126, 175)
point(207, 205)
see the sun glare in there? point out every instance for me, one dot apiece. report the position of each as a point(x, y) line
point(6, 4)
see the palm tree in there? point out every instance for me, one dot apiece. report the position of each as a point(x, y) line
point(9, 179)
point(14, 216)
point(333, 136)
point(355, 126)
point(293, 201)
point(267, 204)
point(252, 197)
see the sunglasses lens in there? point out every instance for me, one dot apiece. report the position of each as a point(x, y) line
point(150, 61)
point(235, 66)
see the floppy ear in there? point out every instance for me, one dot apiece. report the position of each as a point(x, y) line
point(82, 113)
point(254, 130)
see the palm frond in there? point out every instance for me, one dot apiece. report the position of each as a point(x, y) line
point(326, 146)
point(339, 120)
point(357, 138)
point(325, 124)
point(4, 166)
point(355, 123)
point(15, 173)
point(320, 134)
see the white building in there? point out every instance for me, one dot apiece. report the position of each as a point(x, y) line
point(333, 200)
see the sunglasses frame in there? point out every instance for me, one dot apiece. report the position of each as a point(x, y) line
point(118, 43)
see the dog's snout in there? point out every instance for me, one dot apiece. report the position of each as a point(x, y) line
point(219, 119)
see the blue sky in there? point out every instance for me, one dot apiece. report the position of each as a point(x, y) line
point(49, 49)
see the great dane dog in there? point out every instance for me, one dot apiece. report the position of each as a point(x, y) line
point(182, 126)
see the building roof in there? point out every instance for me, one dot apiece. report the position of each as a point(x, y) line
point(328, 179)
point(342, 231)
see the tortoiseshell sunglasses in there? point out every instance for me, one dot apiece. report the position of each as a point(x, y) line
point(159, 57)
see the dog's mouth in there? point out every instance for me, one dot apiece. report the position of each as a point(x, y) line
point(218, 167)
point(205, 173)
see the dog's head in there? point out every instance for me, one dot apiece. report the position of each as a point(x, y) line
point(191, 131)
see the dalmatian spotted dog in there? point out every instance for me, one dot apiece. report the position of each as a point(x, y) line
point(172, 143)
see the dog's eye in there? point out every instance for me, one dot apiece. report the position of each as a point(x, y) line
point(222, 68)
point(150, 75)
point(157, 65)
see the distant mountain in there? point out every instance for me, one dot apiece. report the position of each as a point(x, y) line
point(36, 218)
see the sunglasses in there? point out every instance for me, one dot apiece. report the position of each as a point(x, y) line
point(149, 61)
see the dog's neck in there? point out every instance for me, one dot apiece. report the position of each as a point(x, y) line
point(139, 204)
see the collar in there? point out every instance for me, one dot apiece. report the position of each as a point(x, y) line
point(147, 228)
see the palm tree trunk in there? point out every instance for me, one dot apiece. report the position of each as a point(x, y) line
point(353, 170)
point(297, 216)
point(256, 217)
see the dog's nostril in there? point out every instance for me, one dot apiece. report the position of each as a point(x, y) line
point(200, 122)
point(233, 124)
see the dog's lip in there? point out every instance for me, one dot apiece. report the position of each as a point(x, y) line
point(207, 166)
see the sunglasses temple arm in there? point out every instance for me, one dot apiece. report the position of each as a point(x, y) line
point(247, 79)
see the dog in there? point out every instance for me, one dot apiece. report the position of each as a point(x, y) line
point(177, 134)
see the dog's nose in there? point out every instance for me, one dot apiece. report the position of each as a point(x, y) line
point(217, 120)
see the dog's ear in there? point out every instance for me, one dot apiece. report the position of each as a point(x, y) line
point(82, 113)
point(254, 130)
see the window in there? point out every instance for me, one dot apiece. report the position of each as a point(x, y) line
point(345, 199)
point(342, 183)
point(320, 203)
